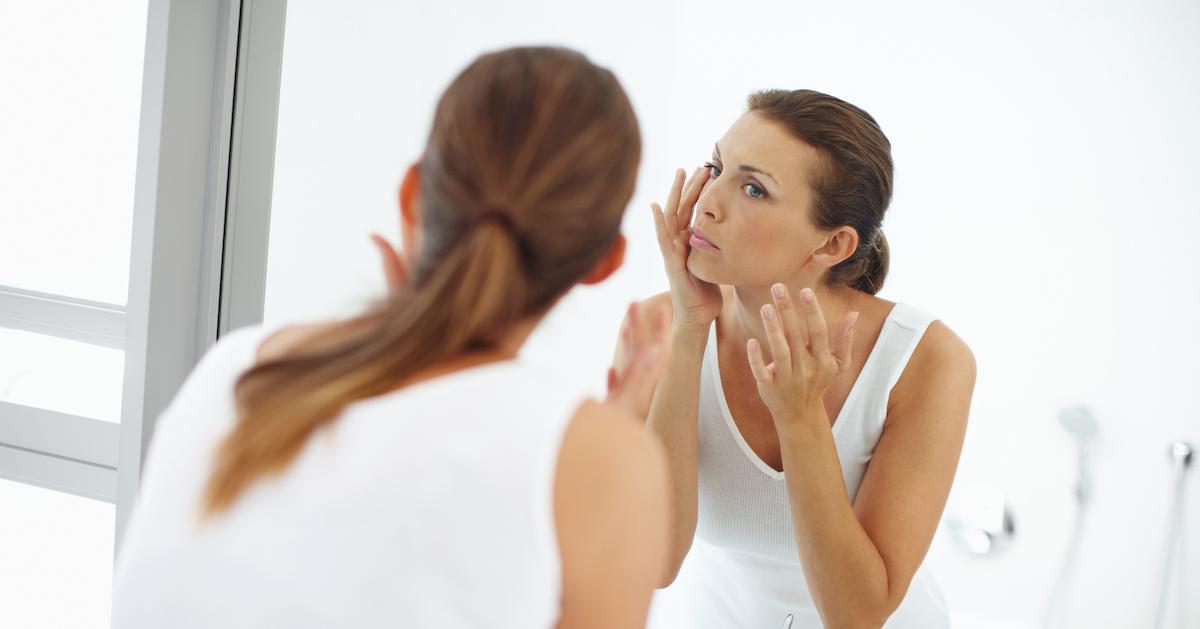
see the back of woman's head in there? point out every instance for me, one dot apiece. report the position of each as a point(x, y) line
point(855, 186)
point(530, 162)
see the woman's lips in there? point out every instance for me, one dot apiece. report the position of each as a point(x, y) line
point(700, 241)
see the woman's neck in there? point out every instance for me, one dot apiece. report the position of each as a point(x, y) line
point(743, 318)
point(506, 349)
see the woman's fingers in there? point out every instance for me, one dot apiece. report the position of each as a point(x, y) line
point(650, 325)
point(636, 389)
point(637, 329)
point(660, 229)
point(758, 366)
point(632, 384)
point(691, 194)
point(791, 320)
point(845, 340)
point(671, 222)
point(682, 201)
point(394, 268)
point(627, 340)
point(818, 333)
point(671, 212)
point(673, 247)
point(781, 354)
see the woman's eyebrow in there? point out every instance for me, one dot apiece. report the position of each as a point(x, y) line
point(746, 168)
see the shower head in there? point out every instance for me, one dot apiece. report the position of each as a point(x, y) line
point(1181, 453)
point(1079, 422)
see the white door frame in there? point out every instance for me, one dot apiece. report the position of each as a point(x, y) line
point(206, 153)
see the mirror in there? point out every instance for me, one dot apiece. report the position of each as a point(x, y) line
point(1044, 209)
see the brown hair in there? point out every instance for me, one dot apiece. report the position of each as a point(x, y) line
point(540, 134)
point(855, 186)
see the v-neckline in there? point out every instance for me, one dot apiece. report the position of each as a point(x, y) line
point(719, 387)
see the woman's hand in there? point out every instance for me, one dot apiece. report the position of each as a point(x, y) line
point(793, 385)
point(696, 302)
point(642, 355)
point(394, 267)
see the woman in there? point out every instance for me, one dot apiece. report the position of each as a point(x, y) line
point(401, 468)
point(812, 429)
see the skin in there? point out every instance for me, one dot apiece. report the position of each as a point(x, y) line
point(787, 366)
point(610, 487)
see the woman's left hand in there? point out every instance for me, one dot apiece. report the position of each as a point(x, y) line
point(395, 269)
point(641, 358)
point(804, 361)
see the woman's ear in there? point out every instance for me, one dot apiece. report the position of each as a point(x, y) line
point(608, 263)
point(839, 245)
point(410, 211)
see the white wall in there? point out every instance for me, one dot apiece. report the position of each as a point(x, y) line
point(1045, 208)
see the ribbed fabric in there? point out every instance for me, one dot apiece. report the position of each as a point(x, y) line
point(431, 506)
point(744, 569)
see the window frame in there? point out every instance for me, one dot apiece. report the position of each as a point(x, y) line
point(201, 219)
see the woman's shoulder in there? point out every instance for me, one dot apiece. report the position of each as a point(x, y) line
point(611, 508)
point(605, 435)
point(940, 357)
point(655, 301)
point(939, 343)
point(605, 450)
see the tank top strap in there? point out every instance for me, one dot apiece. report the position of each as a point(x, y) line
point(903, 331)
point(865, 410)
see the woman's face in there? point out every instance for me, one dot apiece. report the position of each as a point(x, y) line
point(755, 208)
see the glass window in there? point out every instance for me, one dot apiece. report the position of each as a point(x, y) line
point(37, 370)
point(72, 79)
point(56, 555)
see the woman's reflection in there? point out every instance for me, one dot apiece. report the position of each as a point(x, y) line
point(813, 428)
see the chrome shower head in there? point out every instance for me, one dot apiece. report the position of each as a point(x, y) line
point(1079, 422)
point(1181, 453)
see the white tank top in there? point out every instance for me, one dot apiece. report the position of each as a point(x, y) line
point(431, 506)
point(744, 569)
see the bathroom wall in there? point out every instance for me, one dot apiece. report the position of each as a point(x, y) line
point(1045, 209)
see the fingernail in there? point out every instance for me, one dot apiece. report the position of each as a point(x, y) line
point(778, 290)
point(806, 294)
point(768, 312)
point(649, 356)
point(753, 345)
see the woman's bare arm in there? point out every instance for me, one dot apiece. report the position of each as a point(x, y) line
point(611, 515)
point(859, 558)
point(672, 419)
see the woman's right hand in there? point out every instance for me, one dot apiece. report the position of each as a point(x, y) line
point(696, 303)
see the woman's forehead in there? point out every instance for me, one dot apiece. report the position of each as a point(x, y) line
point(759, 142)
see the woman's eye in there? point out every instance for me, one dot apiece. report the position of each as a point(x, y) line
point(713, 169)
point(754, 191)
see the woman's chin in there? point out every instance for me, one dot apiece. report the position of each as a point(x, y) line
point(704, 268)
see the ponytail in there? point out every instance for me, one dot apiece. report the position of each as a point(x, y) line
point(466, 302)
point(483, 267)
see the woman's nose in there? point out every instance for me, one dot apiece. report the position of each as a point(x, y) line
point(707, 204)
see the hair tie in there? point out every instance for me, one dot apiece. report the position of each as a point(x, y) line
point(498, 214)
